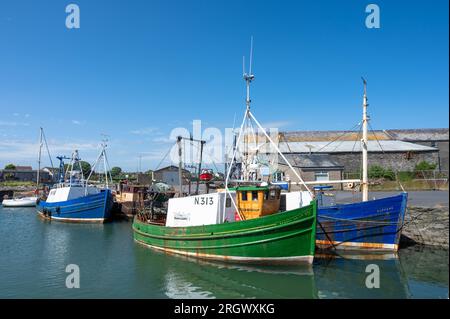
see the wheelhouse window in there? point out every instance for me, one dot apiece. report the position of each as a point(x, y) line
point(254, 196)
point(273, 194)
point(244, 196)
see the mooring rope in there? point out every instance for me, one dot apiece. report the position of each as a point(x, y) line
point(359, 220)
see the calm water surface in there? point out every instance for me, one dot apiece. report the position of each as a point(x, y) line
point(34, 254)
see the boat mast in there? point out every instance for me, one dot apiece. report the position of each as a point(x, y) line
point(39, 160)
point(364, 184)
point(180, 166)
point(248, 78)
point(199, 166)
point(105, 165)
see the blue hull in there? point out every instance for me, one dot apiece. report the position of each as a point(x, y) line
point(374, 224)
point(91, 208)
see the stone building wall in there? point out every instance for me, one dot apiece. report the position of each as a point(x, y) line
point(397, 161)
point(443, 152)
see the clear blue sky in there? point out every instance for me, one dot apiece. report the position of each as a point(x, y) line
point(137, 69)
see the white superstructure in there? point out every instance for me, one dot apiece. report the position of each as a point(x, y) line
point(206, 209)
point(65, 193)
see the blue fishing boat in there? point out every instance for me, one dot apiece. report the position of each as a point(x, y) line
point(369, 224)
point(374, 224)
point(73, 199)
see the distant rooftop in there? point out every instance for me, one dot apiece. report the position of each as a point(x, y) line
point(420, 135)
point(351, 146)
point(413, 135)
point(23, 168)
point(310, 161)
point(315, 136)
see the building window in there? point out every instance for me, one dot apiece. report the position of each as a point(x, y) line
point(278, 176)
point(433, 144)
point(322, 176)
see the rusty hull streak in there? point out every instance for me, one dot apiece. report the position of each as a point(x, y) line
point(234, 259)
point(344, 245)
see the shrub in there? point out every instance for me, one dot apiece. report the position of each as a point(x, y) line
point(425, 166)
point(405, 176)
point(376, 171)
point(389, 174)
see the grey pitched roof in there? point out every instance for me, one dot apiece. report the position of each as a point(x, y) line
point(311, 136)
point(351, 146)
point(416, 135)
point(310, 161)
point(170, 167)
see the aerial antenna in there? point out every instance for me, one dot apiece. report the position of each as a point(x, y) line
point(248, 77)
point(365, 84)
point(105, 138)
point(251, 56)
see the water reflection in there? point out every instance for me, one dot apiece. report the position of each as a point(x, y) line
point(186, 277)
point(426, 269)
point(333, 275)
point(343, 275)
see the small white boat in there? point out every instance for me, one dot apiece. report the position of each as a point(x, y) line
point(30, 201)
point(20, 202)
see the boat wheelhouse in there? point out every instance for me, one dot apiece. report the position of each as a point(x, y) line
point(258, 201)
point(206, 175)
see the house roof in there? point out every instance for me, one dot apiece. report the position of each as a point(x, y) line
point(315, 136)
point(170, 167)
point(416, 135)
point(352, 147)
point(310, 161)
point(24, 168)
point(420, 135)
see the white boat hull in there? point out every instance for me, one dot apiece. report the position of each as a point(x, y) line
point(20, 202)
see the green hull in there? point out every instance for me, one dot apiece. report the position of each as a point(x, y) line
point(287, 237)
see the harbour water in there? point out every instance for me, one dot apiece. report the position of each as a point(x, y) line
point(34, 254)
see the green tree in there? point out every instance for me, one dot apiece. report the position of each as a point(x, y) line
point(10, 166)
point(116, 171)
point(85, 167)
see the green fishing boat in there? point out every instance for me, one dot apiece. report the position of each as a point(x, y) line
point(281, 237)
point(253, 222)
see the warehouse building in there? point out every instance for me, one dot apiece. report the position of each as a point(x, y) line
point(24, 174)
point(438, 138)
point(169, 175)
point(389, 148)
